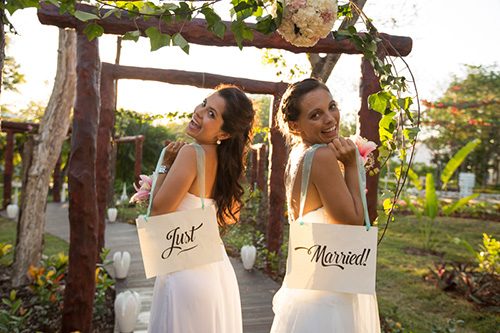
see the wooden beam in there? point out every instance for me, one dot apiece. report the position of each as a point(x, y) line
point(196, 79)
point(196, 32)
point(18, 127)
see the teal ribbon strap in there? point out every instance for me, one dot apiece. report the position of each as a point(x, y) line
point(200, 169)
point(306, 172)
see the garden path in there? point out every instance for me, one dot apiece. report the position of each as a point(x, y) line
point(256, 289)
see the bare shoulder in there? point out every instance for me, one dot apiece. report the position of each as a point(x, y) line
point(186, 155)
point(324, 156)
point(324, 163)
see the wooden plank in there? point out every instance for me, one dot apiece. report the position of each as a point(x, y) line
point(196, 32)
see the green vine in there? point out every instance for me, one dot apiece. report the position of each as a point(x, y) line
point(400, 124)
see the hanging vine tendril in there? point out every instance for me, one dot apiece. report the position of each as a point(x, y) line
point(398, 127)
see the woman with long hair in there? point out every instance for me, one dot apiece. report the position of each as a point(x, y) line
point(308, 116)
point(205, 298)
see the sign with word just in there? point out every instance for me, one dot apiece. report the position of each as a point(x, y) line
point(178, 241)
point(332, 257)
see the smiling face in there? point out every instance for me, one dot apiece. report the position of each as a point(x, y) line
point(206, 122)
point(319, 117)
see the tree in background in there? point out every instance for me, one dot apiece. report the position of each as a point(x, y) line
point(468, 110)
point(130, 123)
point(46, 147)
point(11, 74)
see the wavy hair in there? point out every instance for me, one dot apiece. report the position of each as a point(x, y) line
point(238, 117)
point(289, 109)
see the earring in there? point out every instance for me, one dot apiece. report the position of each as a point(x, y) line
point(218, 141)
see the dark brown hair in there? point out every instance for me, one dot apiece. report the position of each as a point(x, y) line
point(289, 107)
point(238, 119)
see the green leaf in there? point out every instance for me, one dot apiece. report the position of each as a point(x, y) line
point(110, 12)
point(214, 22)
point(405, 103)
point(411, 132)
point(448, 210)
point(378, 101)
point(132, 35)
point(178, 40)
point(411, 175)
point(465, 244)
point(13, 5)
point(241, 32)
point(93, 30)
point(157, 39)
point(266, 25)
point(53, 2)
point(183, 13)
point(219, 29)
point(417, 212)
point(431, 201)
point(85, 16)
point(457, 160)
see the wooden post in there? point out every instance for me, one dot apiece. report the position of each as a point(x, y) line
point(277, 197)
point(261, 168)
point(138, 158)
point(56, 181)
point(254, 154)
point(369, 120)
point(83, 217)
point(9, 167)
point(104, 151)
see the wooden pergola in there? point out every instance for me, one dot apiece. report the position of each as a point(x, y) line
point(94, 119)
point(138, 141)
point(12, 128)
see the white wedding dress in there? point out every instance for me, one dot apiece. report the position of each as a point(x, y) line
point(307, 311)
point(316, 311)
point(201, 300)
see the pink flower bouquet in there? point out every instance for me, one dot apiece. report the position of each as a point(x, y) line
point(143, 191)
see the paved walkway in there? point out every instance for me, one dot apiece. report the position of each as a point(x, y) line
point(256, 289)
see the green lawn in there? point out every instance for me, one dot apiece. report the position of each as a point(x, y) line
point(419, 305)
point(52, 244)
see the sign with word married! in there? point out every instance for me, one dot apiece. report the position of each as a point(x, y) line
point(180, 240)
point(332, 257)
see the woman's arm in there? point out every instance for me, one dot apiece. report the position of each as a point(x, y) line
point(340, 197)
point(176, 182)
point(171, 152)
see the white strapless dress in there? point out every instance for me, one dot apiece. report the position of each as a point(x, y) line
point(201, 300)
point(306, 311)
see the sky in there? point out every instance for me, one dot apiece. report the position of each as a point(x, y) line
point(446, 35)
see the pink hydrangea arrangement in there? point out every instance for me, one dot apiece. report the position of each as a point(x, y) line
point(142, 192)
point(366, 149)
point(305, 22)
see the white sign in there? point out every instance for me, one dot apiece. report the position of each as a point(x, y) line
point(180, 240)
point(332, 257)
